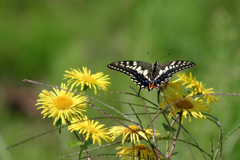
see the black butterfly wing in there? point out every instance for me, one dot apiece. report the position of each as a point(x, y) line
point(138, 71)
point(169, 68)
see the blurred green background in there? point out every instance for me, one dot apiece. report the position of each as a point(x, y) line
point(39, 40)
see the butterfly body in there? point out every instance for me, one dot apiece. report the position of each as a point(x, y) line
point(150, 76)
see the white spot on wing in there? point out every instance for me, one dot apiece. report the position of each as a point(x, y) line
point(166, 68)
point(139, 68)
point(145, 72)
point(160, 72)
point(134, 67)
point(173, 63)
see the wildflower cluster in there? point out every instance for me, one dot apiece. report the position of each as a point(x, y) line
point(65, 105)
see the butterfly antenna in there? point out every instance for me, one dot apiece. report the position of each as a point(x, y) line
point(160, 57)
point(165, 56)
point(151, 55)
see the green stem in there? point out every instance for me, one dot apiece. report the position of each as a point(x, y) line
point(133, 147)
point(81, 149)
point(167, 145)
point(81, 140)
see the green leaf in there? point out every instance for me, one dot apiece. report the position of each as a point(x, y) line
point(175, 153)
point(167, 127)
point(74, 143)
point(189, 92)
point(78, 143)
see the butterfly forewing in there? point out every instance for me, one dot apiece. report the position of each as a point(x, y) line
point(131, 68)
point(138, 71)
point(169, 68)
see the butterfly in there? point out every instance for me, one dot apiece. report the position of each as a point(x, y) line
point(150, 76)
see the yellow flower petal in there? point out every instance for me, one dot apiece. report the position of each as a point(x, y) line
point(87, 80)
point(133, 133)
point(90, 128)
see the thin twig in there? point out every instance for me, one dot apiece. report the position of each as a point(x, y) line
point(230, 134)
point(139, 120)
point(32, 138)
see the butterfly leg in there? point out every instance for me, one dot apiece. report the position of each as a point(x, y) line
point(159, 90)
point(139, 92)
point(165, 86)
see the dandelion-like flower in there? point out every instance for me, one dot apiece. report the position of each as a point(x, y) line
point(133, 131)
point(90, 128)
point(188, 106)
point(87, 80)
point(198, 87)
point(140, 150)
point(61, 104)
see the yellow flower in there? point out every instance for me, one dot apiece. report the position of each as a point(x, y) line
point(140, 150)
point(198, 87)
point(134, 133)
point(188, 106)
point(61, 104)
point(90, 128)
point(171, 85)
point(86, 80)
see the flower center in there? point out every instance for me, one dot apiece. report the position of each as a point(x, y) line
point(63, 102)
point(91, 129)
point(141, 147)
point(88, 79)
point(184, 104)
point(133, 127)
